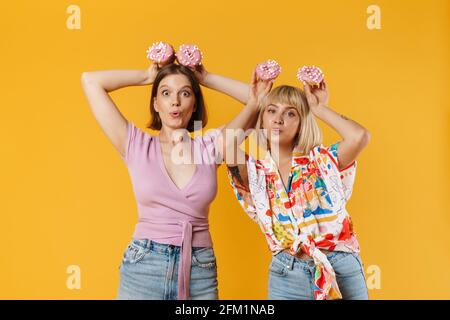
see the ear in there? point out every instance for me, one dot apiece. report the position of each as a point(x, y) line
point(155, 105)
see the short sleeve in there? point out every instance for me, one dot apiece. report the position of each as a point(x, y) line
point(135, 141)
point(326, 158)
point(241, 191)
point(211, 143)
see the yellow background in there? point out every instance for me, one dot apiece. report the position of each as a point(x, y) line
point(66, 197)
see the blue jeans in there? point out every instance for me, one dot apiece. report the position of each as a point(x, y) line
point(291, 278)
point(149, 271)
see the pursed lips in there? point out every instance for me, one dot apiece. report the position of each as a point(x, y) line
point(175, 114)
point(276, 130)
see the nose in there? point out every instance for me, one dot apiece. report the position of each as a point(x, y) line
point(278, 120)
point(175, 101)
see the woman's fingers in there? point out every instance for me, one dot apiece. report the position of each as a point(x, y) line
point(198, 68)
point(309, 95)
point(268, 87)
point(259, 87)
point(154, 67)
point(323, 85)
point(307, 89)
point(202, 68)
point(254, 77)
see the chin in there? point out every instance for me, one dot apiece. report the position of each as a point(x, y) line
point(174, 127)
point(280, 140)
point(177, 124)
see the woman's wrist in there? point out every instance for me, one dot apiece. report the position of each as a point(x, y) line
point(146, 77)
point(319, 110)
point(208, 80)
point(252, 105)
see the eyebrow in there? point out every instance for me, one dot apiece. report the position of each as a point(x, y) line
point(186, 86)
point(272, 105)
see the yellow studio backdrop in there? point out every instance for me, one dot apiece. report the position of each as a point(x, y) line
point(66, 197)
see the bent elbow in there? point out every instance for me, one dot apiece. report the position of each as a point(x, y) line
point(85, 78)
point(364, 138)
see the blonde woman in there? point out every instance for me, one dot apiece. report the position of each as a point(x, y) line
point(298, 192)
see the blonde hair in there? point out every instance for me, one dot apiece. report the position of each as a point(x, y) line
point(309, 134)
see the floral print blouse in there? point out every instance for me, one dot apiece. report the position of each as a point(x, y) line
point(309, 215)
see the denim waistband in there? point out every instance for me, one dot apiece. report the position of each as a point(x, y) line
point(161, 247)
point(290, 260)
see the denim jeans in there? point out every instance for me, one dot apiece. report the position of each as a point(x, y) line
point(291, 278)
point(149, 271)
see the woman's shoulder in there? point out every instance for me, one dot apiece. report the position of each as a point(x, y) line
point(137, 141)
point(135, 133)
point(208, 135)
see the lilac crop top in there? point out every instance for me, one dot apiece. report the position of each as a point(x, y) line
point(166, 213)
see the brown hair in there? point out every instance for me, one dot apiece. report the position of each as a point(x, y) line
point(200, 109)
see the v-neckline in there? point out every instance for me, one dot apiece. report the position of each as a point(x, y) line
point(163, 167)
point(277, 170)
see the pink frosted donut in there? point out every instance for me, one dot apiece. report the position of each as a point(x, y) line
point(160, 52)
point(311, 75)
point(189, 55)
point(268, 70)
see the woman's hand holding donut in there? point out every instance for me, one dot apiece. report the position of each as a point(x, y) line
point(151, 73)
point(317, 97)
point(258, 89)
point(200, 73)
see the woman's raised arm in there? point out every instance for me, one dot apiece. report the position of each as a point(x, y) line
point(97, 84)
point(231, 87)
point(235, 132)
point(354, 136)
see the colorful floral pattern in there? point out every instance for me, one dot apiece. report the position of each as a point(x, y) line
point(310, 215)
